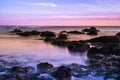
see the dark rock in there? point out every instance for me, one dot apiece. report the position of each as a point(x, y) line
point(18, 69)
point(118, 34)
point(62, 73)
point(34, 32)
point(62, 36)
point(75, 32)
point(49, 39)
point(105, 39)
point(47, 34)
point(78, 46)
point(91, 31)
point(58, 42)
point(28, 69)
point(44, 67)
point(16, 31)
point(25, 34)
point(63, 32)
point(107, 49)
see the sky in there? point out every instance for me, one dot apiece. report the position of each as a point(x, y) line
point(60, 12)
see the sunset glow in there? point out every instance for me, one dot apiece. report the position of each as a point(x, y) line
point(60, 12)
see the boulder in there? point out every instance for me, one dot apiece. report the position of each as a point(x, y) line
point(59, 42)
point(118, 34)
point(44, 67)
point(34, 32)
point(62, 73)
point(91, 31)
point(62, 36)
point(18, 69)
point(75, 32)
point(47, 34)
point(25, 34)
point(16, 31)
point(105, 39)
point(77, 46)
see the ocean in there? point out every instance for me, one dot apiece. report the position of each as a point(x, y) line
point(29, 51)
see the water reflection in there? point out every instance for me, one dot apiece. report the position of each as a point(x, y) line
point(31, 51)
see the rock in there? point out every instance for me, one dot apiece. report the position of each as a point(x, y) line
point(34, 32)
point(105, 39)
point(75, 32)
point(18, 69)
point(78, 46)
point(63, 32)
point(118, 34)
point(46, 77)
point(44, 67)
point(107, 49)
point(47, 34)
point(49, 39)
point(91, 31)
point(58, 42)
point(28, 69)
point(25, 34)
point(62, 73)
point(16, 31)
point(62, 36)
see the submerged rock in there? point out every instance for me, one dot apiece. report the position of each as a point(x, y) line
point(44, 67)
point(62, 73)
point(46, 77)
point(18, 69)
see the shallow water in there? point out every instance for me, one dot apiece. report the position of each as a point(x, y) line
point(31, 50)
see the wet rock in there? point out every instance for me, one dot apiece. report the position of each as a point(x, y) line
point(2, 67)
point(118, 34)
point(28, 69)
point(91, 31)
point(49, 39)
point(63, 32)
point(44, 67)
point(78, 46)
point(62, 73)
point(105, 39)
point(47, 34)
point(59, 42)
point(18, 69)
point(25, 34)
point(16, 31)
point(75, 32)
point(12, 77)
point(62, 36)
point(34, 32)
point(46, 77)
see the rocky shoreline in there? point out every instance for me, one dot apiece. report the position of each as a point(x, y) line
point(103, 57)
